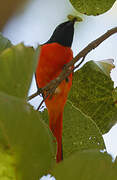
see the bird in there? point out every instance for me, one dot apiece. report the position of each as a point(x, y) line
point(54, 55)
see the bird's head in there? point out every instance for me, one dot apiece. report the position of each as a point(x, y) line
point(63, 34)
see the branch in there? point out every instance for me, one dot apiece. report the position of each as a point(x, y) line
point(50, 87)
point(33, 95)
point(92, 45)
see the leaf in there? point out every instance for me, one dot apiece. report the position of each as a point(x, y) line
point(115, 96)
point(79, 131)
point(92, 7)
point(92, 93)
point(4, 43)
point(24, 133)
point(86, 165)
point(7, 170)
point(16, 69)
point(106, 66)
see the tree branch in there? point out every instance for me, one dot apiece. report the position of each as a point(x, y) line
point(50, 87)
point(33, 95)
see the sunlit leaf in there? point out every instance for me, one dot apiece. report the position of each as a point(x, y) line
point(92, 7)
point(7, 165)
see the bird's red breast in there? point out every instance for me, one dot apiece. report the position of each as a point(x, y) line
point(52, 59)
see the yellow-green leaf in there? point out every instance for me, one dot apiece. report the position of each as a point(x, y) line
point(92, 7)
point(7, 165)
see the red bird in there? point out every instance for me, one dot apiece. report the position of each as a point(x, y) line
point(55, 53)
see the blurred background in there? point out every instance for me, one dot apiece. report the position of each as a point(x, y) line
point(33, 21)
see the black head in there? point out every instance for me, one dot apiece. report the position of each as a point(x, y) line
point(63, 34)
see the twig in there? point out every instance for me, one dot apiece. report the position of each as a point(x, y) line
point(92, 46)
point(39, 91)
point(43, 101)
point(50, 87)
point(32, 96)
point(77, 66)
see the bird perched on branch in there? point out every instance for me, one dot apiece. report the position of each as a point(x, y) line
point(54, 54)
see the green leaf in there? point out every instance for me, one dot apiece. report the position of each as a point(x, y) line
point(79, 131)
point(92, 93)
point(87, 165)
point(92, 7)
point(115, 96)
point(4, 43)
point(24, 133)
point(7, 168)
point(16, 69)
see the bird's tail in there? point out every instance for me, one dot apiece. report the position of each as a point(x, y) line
point(55, 124)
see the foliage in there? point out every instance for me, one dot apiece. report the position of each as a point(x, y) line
point(93, 94)
point(27, 148)
point(79, 131)
point(87, 165)
point(4, 43)
point(92, 7)
point(23, 134)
